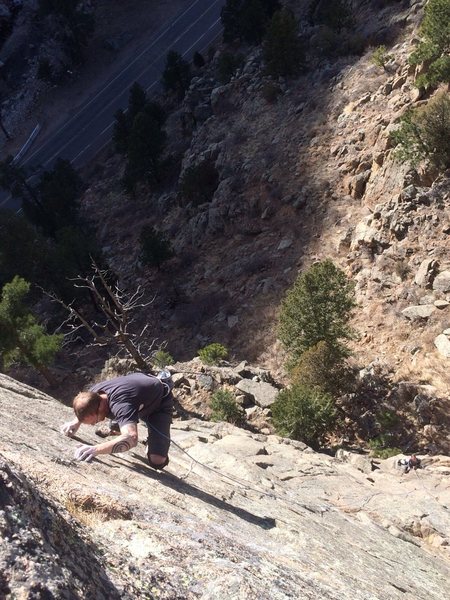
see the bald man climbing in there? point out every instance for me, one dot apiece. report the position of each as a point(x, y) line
point(127, 400)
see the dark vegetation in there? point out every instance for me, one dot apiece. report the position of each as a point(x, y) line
point(139, 135)
point(43, 248)
point(224, 407)
point(286, 54)
point(283, 52)
point(57, 241)
point(336, 15)
point(22, 338)
point(74, 24)
point(424, 133)
point(176, 75)
point(247, 20)
point(199, 183)
point(227, 65)
point(155, 248)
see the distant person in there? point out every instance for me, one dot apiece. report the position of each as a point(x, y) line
point(406, 464)
point(126, 400)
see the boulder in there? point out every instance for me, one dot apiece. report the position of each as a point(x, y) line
point(244, 370)
point(421, 311)
point(442, 344)
point(284, 244)
point(357, 185)
point(441, 304)
point(442, 282)
point(220, 100)
point(262, 393)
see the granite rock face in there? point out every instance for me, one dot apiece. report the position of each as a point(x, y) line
point(240, 516)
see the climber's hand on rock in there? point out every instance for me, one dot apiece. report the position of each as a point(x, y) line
point(85, 452)
point(70, 428)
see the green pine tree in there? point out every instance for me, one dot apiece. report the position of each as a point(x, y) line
point(177, 74)
point(23, 250)
point(59, 192)
point(22, 338)
point(282, 48)
point(137, 99)
point(14, 179)
point(155, 248)
point(336, 14)
point(304, 413)
point(247, 20)
point(434, 47)
point(145, 146)
point(317, 308)
point(199, 183)
point(424, 133)
point(121, 132)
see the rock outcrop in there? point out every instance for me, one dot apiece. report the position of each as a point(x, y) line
point(240, 516)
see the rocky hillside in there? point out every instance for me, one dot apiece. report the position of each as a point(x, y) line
point(240, 516)
point(307, 176)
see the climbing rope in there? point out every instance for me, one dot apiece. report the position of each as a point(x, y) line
point(275, 496)
point(240, 482)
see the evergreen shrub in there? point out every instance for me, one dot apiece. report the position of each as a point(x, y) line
point(270, 92)
point(304, 413)
point(224, 407)
point(336, 14)
point(381, 57)
point(213, 353)
point(434, 48)
point(424, 133)
point(282, 49)
point(321, 367)
point(227, 65)
point(199, 183)
point(380, 447)
point(155, 248)
point(161, 359)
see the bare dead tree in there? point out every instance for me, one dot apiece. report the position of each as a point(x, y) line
point(118, 316)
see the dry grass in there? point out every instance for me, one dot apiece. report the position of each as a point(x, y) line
point(428, 370)
point(88, 518)
point(94, 509)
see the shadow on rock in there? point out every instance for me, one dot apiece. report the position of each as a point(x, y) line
point(183, 487)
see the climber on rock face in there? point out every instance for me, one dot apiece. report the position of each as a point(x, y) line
point(406, 464)
point(127, 400)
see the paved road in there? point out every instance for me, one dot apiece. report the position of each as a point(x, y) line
point(90, 128)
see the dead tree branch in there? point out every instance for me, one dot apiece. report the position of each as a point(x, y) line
point(119, 311)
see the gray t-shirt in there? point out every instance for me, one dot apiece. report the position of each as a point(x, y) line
point(132, 396)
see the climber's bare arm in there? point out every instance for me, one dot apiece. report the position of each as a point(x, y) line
point(127, 439)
